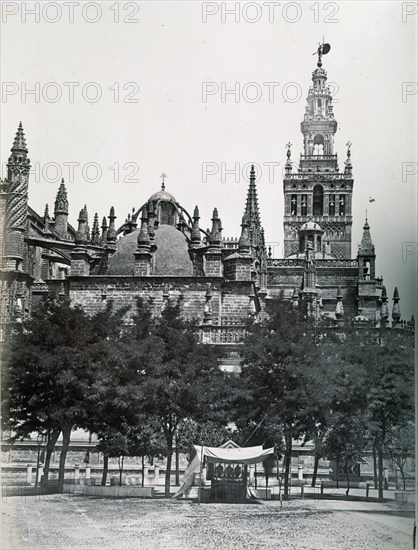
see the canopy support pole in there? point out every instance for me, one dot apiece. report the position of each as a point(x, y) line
point(201, 474)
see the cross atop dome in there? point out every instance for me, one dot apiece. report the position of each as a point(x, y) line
point(163, 176)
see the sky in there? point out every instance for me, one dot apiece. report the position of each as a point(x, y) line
point(123, 92)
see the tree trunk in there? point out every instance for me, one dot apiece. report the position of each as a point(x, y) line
point(50, 445)
point(375, 467)
point(143, 470)
point(287, 458)
point(337, 472)
point(177, 465)
point(105, 469)
point(315, 470)
point(380, 460)
point(347, 476)
point(120, 460)
point(66, 436)
point(169, 439)
point(403, 478)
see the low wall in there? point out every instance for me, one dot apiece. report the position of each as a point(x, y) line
point(113, 491)
point(405, 496)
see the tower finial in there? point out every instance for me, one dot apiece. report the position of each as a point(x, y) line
point(19, 143)
point(323, 49)
point(163, 176)
point(288, 165)
point(195, 234)
point(111, 232)
point(396, 311)
point(95, 232)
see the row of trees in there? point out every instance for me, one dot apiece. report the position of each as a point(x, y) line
point(146, 387)
point(348, 392)
point(131, 384)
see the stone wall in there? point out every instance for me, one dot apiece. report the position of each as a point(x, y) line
point(229, 299)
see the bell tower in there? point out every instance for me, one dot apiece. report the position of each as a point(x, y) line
point(316, 190)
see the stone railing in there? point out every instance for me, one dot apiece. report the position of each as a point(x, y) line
point(318, 157)
point(222, 334)
point(320, 263)
point(308, 176)
point(322, 220)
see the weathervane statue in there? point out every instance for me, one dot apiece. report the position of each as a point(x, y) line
point(323, 49)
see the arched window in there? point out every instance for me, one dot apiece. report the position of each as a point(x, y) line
point(318, 144)
point(304, 205)
point(293, 205)
point(318, 200)
point(331, 207)
point(167, 213)
point(342, 205)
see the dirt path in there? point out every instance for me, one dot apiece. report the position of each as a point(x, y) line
point(59, 522)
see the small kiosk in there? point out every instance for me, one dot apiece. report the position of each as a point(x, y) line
point(227, 470)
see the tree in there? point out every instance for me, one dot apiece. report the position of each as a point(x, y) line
point(53, 362)
point(346, 441)
point(176, 377)
point(278, 354)
point(388, 364)
point(400, 445)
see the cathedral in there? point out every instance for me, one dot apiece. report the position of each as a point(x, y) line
point(161, 251)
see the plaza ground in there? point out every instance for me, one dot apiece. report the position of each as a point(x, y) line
point(72, 521)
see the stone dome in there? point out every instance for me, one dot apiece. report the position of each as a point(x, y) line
point(310, 226)
point(162, 195)
point(171, 257)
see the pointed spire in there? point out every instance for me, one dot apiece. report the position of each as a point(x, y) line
point(195, 236)
point(396, 311)
point(47, 219)
point(95, 232)
point(244, 244)
point(216, 233)
point(366, 245)
point(111, 232)
point(19, 144)
point(104, 227)
point(143, 236)
point(251, 207)
point(61, 200)
point(151, 221)
point(87, 224)
point(253, 213)
point(384, 309)
point(81, 237)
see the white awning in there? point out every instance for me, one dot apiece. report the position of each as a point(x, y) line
point(243, 455)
